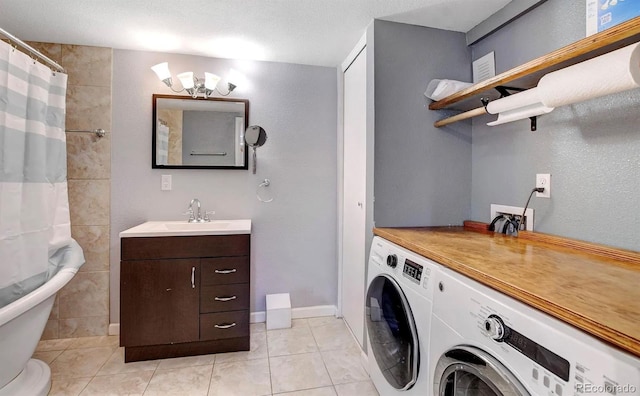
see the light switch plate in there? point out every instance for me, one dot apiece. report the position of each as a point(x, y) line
point(166, 183)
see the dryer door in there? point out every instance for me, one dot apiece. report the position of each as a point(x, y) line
point(466, 370)
point(392, 332)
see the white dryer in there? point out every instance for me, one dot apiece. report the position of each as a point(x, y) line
point(398, 317)
point(486, 343)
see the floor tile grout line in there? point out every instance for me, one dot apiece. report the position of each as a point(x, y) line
point(213, 367)
point(323, 362)
point(266, 341)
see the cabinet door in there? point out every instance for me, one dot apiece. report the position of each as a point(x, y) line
point(159, 302)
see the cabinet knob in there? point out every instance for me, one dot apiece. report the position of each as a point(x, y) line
point(225, 326)
point(169, 289)
point(225, 298)
point(193, 277)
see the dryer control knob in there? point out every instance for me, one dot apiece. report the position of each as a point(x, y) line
point(392, 260)
point(494, 328)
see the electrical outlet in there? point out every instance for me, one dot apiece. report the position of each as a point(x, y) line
point(543, 180)
point(166, 183)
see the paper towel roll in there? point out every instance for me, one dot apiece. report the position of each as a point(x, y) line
point(515, 101)
point(521, 113)
point(614, 72)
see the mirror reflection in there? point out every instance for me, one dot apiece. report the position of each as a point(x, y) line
point(199, 133)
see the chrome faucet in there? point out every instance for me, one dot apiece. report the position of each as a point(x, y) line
point(196, 217)
point(193, 216)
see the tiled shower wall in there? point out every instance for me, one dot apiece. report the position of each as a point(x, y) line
point(82, 306)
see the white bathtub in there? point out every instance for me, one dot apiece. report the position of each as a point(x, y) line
point(21, 326)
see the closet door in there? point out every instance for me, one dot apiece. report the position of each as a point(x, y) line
point(354, 192)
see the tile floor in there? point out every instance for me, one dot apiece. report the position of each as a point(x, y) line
point(315, 357)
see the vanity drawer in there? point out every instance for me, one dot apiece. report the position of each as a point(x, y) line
point(184, 246)
point(221, 298)
point(216, 326)
point(225, 270)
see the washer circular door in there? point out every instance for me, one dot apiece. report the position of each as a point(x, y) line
point(392, 332)
point(470, 371)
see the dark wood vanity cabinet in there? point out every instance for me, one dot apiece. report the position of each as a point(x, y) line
point(184, 295)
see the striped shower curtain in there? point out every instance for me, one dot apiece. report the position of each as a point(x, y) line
point(34, 204)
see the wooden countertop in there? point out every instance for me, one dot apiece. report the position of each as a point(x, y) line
point(592, 287)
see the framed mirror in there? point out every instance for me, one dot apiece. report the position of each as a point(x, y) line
point(199, 133)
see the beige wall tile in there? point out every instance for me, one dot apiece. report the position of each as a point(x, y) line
point(85, 295)
point(88, 156)
point(94, 241)
point(51, 50)
point(84, 327)
point(87, 65)
point(88, 107)
point(50, 330)
point(55, 309)
point(89, 202)
point(82, 307)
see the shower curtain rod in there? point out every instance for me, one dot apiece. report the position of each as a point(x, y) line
point(32, 50)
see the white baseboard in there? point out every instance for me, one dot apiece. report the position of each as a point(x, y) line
point(364, 360)
point(298, 313)
point(114, 329)
point(261, 316)
point(258, 317)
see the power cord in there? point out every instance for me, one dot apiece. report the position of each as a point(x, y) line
point(522, 222)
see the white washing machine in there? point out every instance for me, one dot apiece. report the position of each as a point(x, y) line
point(486, 343)
point(398, 317)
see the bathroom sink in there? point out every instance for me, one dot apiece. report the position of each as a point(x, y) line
point(178, 228)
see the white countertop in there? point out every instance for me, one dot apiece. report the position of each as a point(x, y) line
point(183, 228)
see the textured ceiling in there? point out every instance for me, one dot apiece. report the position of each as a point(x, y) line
point(314, 32)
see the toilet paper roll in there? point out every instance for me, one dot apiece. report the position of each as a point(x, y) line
point(515, 101)
point(614, 72)
point(521, 113)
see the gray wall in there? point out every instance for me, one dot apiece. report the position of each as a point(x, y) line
point(422, 174)
point(293, 238)
point(591, 148)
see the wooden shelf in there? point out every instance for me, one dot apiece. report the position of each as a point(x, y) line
point(527, 75)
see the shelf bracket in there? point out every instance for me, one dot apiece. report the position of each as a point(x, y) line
point(504, 90)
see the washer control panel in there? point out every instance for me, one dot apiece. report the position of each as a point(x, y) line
point(412, 270)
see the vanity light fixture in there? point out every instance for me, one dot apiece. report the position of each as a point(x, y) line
point(191, 84)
